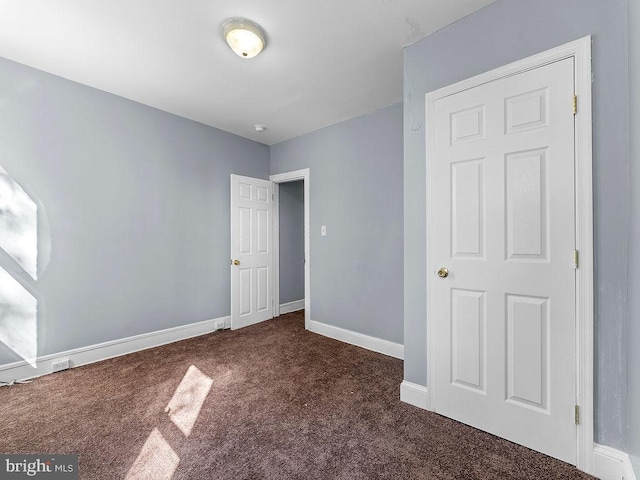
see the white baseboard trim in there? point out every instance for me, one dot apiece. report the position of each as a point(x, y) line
point(611, 464)
point(414, 394)
point(360, 340)
point(291, 306)
point(94, 353)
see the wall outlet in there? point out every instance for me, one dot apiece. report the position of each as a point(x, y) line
point(59, 365)
point(219, 325)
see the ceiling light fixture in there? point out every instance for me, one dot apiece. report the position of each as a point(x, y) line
point(259, 128)
point(246, 38)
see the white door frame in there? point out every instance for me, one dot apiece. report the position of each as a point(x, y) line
point(286, 177)
point(580, 51)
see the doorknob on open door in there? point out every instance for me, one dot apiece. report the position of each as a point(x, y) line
point(236, 262)
point(443, 272)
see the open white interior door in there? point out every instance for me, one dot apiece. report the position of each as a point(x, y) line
point(251, 251)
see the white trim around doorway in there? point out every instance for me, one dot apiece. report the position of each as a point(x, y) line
point(286, 177)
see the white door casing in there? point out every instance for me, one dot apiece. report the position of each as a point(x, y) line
point(296, 175)
point(251, 251)
point(486, 317)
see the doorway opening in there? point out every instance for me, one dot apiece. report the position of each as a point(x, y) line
point(291, 202)
point(291, 238)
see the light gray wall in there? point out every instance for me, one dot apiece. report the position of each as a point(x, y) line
point(503, 32)
point(356, 191)
point(634, 261)
point(291, 241)
point(137, 203)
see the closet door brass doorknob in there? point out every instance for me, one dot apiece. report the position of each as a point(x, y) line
point(443, 272)
point(236, 262)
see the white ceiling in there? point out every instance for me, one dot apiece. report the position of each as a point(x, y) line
point(326, 60)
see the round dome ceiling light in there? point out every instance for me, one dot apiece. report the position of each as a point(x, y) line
point(259, 128)
point(246, 38)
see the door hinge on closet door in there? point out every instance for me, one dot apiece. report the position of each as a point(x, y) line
point(576, 415)
point(574, 104)
point(576, 258)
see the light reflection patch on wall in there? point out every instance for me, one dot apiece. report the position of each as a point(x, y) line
point(18, 224)
point(18, 318)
